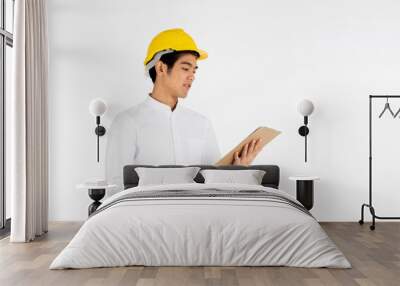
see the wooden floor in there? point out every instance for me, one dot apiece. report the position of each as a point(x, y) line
point(374, 255)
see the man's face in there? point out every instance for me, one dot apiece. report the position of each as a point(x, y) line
point(180, 77)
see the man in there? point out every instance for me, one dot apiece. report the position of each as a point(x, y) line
point(160, 131)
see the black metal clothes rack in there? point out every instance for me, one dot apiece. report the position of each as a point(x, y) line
point(369, 205)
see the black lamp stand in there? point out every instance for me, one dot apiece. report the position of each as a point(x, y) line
point(100, 131)
point(303, 131)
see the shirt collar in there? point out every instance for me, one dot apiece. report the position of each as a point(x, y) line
point(154, 103)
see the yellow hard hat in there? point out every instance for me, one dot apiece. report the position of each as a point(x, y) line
point(172, 40)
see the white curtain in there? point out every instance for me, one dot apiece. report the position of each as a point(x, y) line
point(28, 122)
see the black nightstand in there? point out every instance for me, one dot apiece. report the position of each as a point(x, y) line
point(96, 193)
point(305, 190)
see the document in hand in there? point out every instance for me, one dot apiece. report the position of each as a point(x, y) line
point(265, 134)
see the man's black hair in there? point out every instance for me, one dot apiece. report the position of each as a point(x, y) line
point(170, 59)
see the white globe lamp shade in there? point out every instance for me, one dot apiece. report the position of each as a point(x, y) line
point(305, 107)
point(97, 107)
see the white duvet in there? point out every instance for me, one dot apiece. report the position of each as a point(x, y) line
point(200, 231)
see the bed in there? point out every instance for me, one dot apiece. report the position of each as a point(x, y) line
point(201, 224)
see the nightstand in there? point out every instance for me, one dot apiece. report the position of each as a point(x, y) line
point(305, 190)
point(96, 193)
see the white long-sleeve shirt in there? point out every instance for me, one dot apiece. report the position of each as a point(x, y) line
point(150, 133)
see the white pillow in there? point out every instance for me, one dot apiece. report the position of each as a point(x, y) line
point(249, 177)
point(162, 176)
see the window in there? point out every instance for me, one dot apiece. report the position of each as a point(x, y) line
point(6, 44)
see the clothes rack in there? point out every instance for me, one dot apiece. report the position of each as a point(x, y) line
point(370, 205)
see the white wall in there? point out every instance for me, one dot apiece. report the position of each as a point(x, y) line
point(264, 57)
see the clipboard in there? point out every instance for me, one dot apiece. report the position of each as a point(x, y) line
point(266, 135)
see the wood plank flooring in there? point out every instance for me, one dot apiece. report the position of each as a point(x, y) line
point(374, 255)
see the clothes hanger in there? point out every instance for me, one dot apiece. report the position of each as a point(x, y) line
point(387, 107)
point(398, 111)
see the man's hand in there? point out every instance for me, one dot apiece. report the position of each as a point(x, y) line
point(248, 153)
